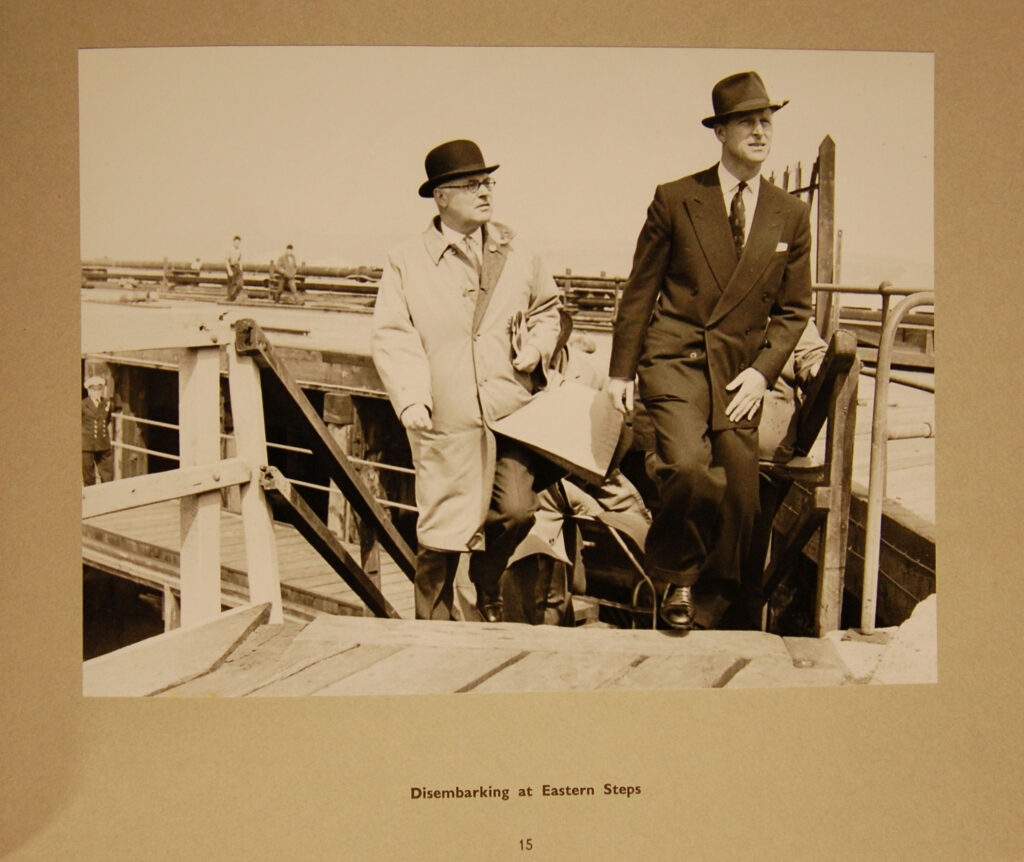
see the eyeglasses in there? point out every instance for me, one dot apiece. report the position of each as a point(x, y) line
point(473, 186)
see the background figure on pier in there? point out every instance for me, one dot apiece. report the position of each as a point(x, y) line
point(97, 451)
point(719, 293)
point(233, 266)
point(442, 345)
point(286, 269)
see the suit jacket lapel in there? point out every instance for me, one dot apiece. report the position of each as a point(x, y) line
point(765, 230)
point(495, 252)
point(711, 224)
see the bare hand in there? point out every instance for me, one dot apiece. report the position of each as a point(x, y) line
point(527, 359)
point(621, 393)
point(750, 385)
point(416, 417)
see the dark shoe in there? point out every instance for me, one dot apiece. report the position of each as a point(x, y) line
point(489, 604)
point(677, 608)
point(492, 612)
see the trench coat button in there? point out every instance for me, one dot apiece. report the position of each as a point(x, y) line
point(694, 291)
point(492, 247)
point(743, 365)
point(764, 297)
point(694, 354)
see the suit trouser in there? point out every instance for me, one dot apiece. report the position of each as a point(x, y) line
point(101, 463)
point(709, 493)
point(509, 518)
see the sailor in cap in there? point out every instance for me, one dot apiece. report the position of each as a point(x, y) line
point(97, 452)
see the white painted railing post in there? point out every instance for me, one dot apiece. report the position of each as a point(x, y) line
point(257, 519)
point(199, 443)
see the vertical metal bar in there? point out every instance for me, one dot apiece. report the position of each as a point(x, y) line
point(879, 439)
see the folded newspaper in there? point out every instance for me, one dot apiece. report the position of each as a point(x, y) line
point(570, 424)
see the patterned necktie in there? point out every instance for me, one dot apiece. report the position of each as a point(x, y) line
point(738, 218)
point(469, 246)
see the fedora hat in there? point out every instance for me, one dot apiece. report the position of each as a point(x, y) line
point(452, 160)
point(90, 382)
point(738, 94)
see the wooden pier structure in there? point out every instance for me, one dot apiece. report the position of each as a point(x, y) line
point(328, 352)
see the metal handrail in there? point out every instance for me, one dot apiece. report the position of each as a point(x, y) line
point(879, 449)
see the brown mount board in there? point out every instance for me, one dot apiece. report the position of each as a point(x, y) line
point(900, 772)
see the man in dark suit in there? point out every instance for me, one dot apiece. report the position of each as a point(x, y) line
point(719, 293)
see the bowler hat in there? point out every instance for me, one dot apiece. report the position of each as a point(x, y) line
point(738, 94)
point(450, 161)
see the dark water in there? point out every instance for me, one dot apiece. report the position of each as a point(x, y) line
point(116, 612)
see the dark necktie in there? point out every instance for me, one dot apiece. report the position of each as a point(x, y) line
point(737, 218)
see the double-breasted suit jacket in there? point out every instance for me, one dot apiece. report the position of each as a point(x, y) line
point(690, 305)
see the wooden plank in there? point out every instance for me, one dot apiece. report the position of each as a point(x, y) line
point(423, 670)
point(169, 485)
point(541, 638)
point(257, 519)
point(271, 663)
point(199, 444)
point(158, 663)
point(163, 334)
point(327, 671)
point(557, 671)
point(325, 543)
point(676, 671)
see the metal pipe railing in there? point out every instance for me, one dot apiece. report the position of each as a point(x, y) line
point(878, 466)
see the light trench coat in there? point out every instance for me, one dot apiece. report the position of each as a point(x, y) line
point(439, 341)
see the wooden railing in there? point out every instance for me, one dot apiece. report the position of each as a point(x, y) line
point(253, 371)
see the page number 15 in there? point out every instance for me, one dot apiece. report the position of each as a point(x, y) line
point(525, 843)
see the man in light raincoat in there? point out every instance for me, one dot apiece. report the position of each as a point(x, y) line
point(451, 304)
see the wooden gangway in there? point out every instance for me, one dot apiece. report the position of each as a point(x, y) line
point(240, 655)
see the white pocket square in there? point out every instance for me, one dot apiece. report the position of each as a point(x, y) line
point(782, 246)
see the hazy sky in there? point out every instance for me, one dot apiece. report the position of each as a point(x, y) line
point(323, 147)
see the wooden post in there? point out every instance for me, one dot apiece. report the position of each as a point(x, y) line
point(824, 269)
point(118, 437)
point(257, 519)
point(343, 421)
point(171, 611)
point(199, 427)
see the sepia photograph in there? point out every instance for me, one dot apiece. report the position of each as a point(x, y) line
point(509, 431)
point(449, 370)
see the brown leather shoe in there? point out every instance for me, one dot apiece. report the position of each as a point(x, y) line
point(677, 607)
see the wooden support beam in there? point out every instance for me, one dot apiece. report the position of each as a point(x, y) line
point(841, 355)
point(813, 510)
point(157, 487)
point(257, 518)
point(251, 342)
point(825, 264)
point(835, 532)
point(168, 335)
point(301, 516)
point(199, 444)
